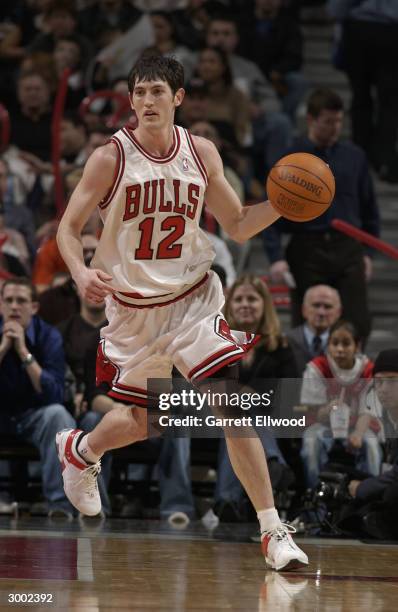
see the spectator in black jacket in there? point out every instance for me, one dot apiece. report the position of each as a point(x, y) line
point(377, 498)
point(316, 253)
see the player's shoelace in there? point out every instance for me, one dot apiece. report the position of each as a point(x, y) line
point(280, 533)
point(89, 477)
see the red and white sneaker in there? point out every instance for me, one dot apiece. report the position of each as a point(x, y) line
point(80, 478)
point(279, 549)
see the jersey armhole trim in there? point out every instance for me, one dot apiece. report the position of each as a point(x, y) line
point(196, 156)
point(118, 173)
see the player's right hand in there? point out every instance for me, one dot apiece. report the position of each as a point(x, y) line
point(93, 284)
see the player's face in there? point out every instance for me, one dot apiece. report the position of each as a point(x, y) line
point(155, 103)
point(342, 348)
point(17, 305)
point(386, 385)
point(247, 307)
point(321, 309)
point(325, 129)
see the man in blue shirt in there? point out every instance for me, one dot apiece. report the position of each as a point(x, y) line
point(32, 383)
point(316, 253)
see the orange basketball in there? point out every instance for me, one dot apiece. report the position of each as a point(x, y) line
point(300, 186)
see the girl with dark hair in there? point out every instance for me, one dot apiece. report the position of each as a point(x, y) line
point(332, 384)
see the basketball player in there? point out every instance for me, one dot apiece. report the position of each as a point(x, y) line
point(162, 303)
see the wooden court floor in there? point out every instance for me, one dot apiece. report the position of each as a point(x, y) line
point(142, 566)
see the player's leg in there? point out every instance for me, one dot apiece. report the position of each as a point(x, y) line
point(249, 463)
point(204, 347)
point(119, 427)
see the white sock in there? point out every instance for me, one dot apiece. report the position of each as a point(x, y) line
point(269, 519)
point(85, 451)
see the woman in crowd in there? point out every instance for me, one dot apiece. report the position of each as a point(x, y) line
point(228, 107)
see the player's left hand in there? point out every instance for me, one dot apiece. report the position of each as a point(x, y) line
point(368, 267)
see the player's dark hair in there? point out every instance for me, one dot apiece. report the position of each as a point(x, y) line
point(323, 99)
point(347, 326)
point(21, 281)
point(157, 68)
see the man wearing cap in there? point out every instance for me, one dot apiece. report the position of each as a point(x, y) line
point(377, 497)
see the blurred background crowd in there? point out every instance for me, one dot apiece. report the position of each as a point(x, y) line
point(264, 78)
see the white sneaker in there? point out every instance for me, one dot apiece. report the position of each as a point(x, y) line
point(80, 478)
point(279, 549)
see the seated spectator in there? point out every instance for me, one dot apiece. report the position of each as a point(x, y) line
point(32, 371)
point(103, 17)
point(31, 122)
point(206, 129)
point(191, 22)
point(166, 42)
point(49, 262)
point(227, 106)
point(249, 308)
point(59, 302)
point(195, 104)
point(331, 385)
point(69, 54)
point(60, 20)
point(12, 244)
point(275, 44)
point(272, 129)
point(374, 510)
point(41, 63)
point(321, 309)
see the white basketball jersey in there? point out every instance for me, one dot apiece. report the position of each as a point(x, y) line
point(152, 244)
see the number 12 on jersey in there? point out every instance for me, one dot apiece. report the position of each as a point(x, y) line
point(168, 248)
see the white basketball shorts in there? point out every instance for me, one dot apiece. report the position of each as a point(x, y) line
point(142, 342)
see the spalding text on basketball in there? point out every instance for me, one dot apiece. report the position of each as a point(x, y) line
point(285, 175)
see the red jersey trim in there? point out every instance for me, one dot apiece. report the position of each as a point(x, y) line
point(119, 170)
point(157, 160)
point(195, 155)
point(179, 297)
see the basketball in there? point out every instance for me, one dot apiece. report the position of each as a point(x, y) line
point(300, 186)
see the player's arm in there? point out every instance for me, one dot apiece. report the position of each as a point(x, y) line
point(94, 185)
point(239, 222)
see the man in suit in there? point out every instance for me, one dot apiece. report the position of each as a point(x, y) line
point(321, 308)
